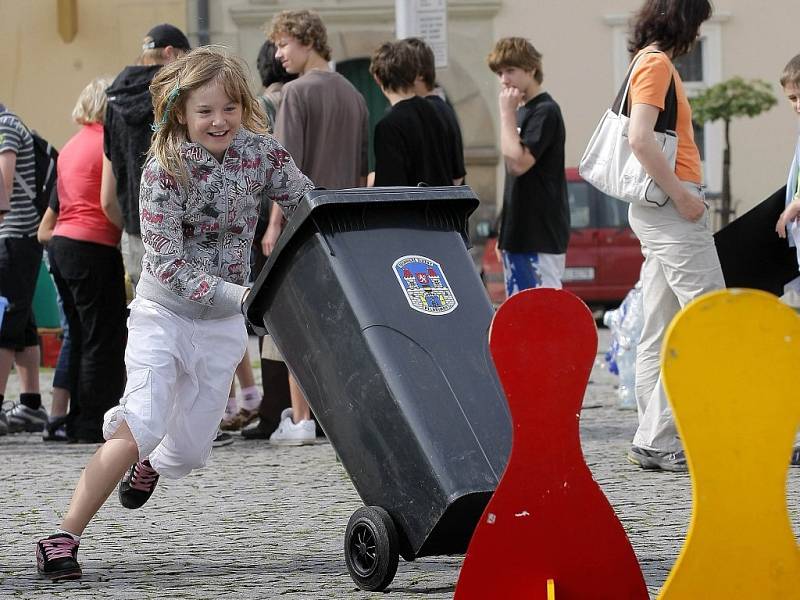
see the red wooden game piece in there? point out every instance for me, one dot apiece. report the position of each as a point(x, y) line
point(548, 526)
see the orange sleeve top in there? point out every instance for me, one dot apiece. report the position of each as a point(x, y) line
point(649, 85)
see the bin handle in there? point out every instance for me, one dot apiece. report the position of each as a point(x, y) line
point(322, 235)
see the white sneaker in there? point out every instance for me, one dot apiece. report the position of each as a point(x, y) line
point(290, 433)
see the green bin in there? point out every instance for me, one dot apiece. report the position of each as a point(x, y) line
point(45, 303)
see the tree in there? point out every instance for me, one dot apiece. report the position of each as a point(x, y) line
point(725, 101)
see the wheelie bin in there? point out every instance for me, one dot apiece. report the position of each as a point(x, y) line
point(377, 308)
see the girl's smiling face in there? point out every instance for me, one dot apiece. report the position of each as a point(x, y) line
point(212, 118)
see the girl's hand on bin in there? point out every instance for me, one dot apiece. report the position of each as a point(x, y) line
point(789, 214)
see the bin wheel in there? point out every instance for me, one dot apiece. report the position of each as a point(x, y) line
point(371, 548)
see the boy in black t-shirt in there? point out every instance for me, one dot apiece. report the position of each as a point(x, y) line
point(411, 145)
point(534, 228)
point(425, 87)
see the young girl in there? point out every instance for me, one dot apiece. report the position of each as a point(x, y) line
point(210, 157)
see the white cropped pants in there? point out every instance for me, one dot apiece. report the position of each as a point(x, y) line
point(179, 375)
point(680, 264)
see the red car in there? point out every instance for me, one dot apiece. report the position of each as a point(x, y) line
point(603, 256)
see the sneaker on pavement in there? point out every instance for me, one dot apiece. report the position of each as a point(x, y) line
point(222, 439)
point(56, 430)
point(57, 557)
point(255, 431)
point(3, 423)
point(241, 419)
point(656, 459)
point(22, 418)
point(290, 433)
point(137, 485)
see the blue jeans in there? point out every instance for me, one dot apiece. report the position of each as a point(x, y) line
point(61, 374)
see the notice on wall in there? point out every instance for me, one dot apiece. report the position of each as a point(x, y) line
point(426, 19)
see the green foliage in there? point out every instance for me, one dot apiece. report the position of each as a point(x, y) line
point(732, 98)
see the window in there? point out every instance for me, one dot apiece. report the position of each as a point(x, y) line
point(690, 66)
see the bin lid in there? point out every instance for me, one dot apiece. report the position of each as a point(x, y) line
point(462, 196)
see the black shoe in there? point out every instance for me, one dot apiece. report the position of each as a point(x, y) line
point(222, 439)
point(656, 459)
point(137, 485)
point(57, 557)
point(256, 432)
point(56, 430)
point(795, 461)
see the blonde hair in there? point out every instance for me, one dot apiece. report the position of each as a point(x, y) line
point(516, 52)
point(172, 86)
point(158, 56)
point(92, 102)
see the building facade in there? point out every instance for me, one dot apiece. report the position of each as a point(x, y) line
point(583, 43)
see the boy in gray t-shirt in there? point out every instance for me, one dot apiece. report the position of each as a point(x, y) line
point(322, 122)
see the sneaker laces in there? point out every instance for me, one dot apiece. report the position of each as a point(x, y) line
point(143, 478)
point(58, 547)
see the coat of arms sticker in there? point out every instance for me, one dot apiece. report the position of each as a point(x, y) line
point(424, 285)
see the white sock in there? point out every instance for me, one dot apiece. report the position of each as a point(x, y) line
point(77, 538)
point(251, 398)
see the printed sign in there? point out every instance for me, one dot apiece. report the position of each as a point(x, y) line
point(424, 285)
point(426, 19)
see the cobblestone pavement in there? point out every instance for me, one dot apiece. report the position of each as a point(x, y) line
point(262, 522)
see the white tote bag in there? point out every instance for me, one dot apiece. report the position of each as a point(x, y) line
point(608, 162)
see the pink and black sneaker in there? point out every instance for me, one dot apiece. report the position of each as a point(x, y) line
point(57, 557)
point(137, 485)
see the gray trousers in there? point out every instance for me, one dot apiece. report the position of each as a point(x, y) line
point(680, 264)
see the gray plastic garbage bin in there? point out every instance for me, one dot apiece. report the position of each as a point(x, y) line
point(375, 303)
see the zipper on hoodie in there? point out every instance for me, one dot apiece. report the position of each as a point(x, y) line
point(224, 226)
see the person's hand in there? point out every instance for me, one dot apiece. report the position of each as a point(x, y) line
point(789, 214)
point(270, 238)
point(509, 99)
point(690, 207)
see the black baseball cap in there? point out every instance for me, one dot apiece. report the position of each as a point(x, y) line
point(165, 35)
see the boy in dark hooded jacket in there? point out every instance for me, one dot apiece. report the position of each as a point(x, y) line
point(127, 135)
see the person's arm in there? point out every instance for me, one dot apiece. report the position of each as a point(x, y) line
point(274, 229)
point(517, 156)
point(5, 204)
point(290, 124)
point(285, 185)
point(46, 226)
point(8, 164)
point(789, 214)
point(645, 149)
point(108, 194)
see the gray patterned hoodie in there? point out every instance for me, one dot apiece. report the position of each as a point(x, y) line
point(197, 237)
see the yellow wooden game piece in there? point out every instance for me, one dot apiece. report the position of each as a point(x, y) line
point(731, 362)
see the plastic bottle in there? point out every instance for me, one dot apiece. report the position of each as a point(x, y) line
point(625, 324)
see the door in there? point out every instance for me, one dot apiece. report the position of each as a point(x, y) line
point(356, 71)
